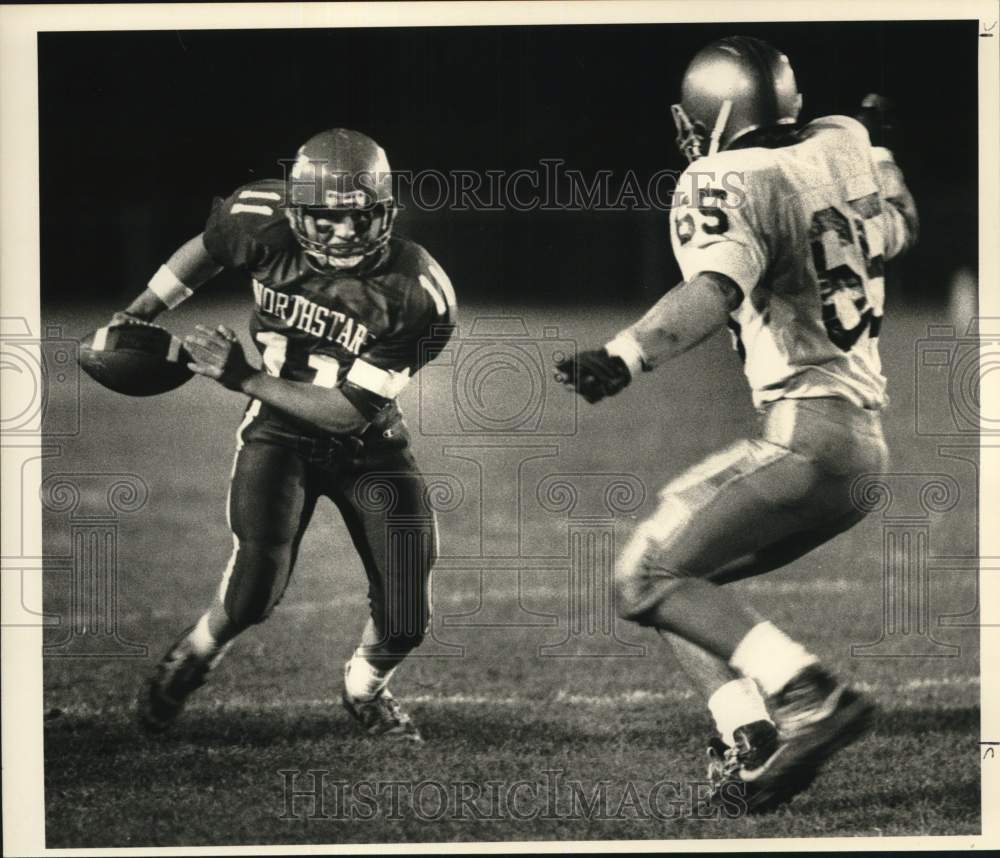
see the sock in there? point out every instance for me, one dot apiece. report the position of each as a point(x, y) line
point(766, 654)
point(363, 680)
point(736, 704)
point(201, 639)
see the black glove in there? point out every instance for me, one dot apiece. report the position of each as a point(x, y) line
point(878, 115)
point(594, 374)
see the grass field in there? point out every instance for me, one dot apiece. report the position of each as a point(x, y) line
point(513, 683)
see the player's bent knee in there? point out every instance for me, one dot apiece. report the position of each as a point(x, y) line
point(644, 575)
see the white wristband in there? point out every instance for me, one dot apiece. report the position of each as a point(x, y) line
point(165, 286)
point(627, 347)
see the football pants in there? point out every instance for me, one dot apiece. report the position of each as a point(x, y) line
point(279, 476)
point(756, 505)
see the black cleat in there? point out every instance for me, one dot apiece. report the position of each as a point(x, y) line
point(179, 674)
point(816, 717)
point(382, 716)
point(754, 743)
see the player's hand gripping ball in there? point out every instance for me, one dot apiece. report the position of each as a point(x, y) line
point(218, 355)
point(135, 358)
point(594, 374)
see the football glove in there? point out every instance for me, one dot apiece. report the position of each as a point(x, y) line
point(878, 115)
point(594, 374)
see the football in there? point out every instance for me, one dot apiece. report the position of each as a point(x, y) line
point(135, 359)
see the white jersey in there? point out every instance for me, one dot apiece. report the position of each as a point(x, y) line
point(804, 231)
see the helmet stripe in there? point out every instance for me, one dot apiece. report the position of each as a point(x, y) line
point(259, 195)
point(251, 209)
point(720, 126)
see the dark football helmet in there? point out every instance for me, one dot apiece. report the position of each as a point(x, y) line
point(732, 87)
point(340, 202)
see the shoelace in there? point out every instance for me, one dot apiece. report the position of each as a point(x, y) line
point(731, 762)
point(394, 709)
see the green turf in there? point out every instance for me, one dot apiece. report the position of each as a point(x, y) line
point(493, 701)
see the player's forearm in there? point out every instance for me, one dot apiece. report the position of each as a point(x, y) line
point(903, 209)
point(188, 267)
point(325, 408)
point(684, 317)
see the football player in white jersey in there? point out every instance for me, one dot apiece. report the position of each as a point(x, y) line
point(781, 231)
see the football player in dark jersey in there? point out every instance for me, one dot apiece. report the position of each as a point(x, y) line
point(345, 314)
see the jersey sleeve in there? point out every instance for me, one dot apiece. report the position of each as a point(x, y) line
point(426, 324)
point(901, 223)
point(232, 232)
point(712, 228)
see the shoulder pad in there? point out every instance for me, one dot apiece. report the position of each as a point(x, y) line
point(731, 170)
point(257, 210)
point(840, 123)
point(411, 262)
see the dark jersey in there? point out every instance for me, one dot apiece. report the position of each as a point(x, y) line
point(367, 331)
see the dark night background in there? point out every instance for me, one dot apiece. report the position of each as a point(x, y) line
point(139, 130)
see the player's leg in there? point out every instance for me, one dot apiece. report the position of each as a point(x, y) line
point(270, 503)
point(750, 508)
point(746, 734)
point(735, 703)
point(395, 533)
point(759, 500)
point(721, 510)
point(733, 700)
point(733, 505)
point(786, 550)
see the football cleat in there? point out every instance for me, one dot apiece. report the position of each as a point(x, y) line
point(382, 716)
point(816, 716)
point(179, 674)
point(754, 743)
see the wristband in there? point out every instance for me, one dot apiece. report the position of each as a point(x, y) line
point(627, 347)
point(165, 286)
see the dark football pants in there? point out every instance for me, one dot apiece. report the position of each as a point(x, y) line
point(279, 475)
point(757, 505)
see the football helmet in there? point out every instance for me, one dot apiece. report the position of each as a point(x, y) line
point(732, 87)
point(340, 203)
